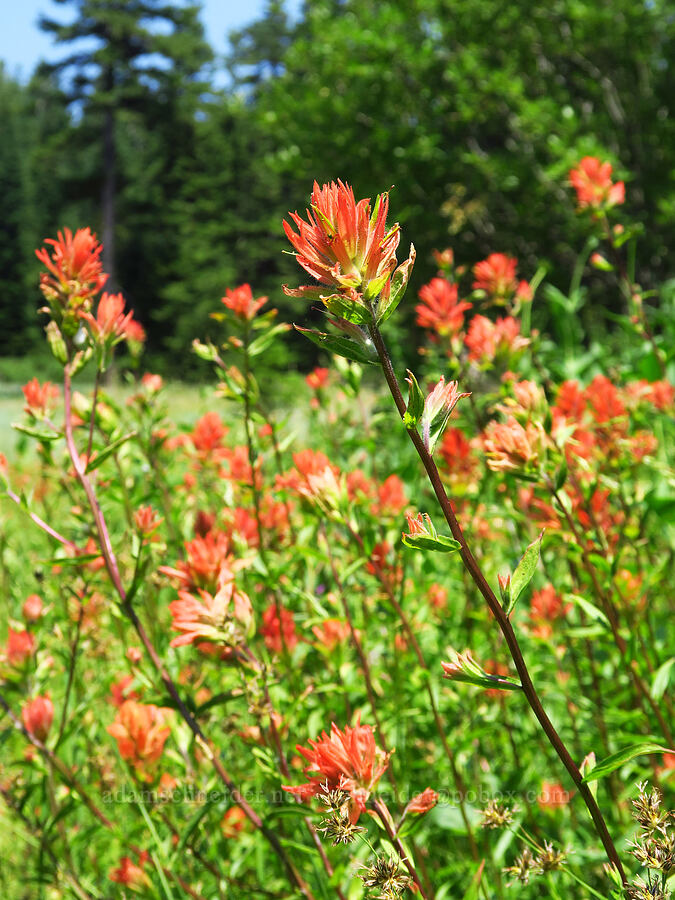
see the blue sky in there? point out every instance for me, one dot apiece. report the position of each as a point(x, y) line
point(22, 44)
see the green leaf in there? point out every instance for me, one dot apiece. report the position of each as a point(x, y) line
point(399, 284)
point(263, 341)
point(613, 762)
point(661, 679)
point(600, 562)
point(344, 308)
point(524, 572)
point(474, 887)
point(336, 343)
point(415, 406)
point(82, 560)
point(96, 461)
point(441, 543)
point(561, 475)
point(186, 833)
point(589, 608)
point(41, 434)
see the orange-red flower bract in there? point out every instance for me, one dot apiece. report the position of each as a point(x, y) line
point(131, 874)
point(111, 323)
point(140, 732)
point(240, 301)
point(32, 608)
point(485, 339)
point(592, 180)
point(423, 802)
point(74, 267)
point(331, 632)
point(225, 617)
point(441, 309)
point(20, 647)
point(349, 760)
point(348, 249)
point(277, 636)
point(512, 447)
point(37, 716)
point(317, 378)
point(40, 398)
point(553, 795)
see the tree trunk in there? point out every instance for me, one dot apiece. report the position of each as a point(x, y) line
point(108, 197)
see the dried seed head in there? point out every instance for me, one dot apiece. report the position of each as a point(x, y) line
point(655, 854)
point(339, 829)
point(335, 800)
point(648, 812)
point(496, 815)
point(522, 867)
point(647, 890)
point(386, 876)
point(549, 859)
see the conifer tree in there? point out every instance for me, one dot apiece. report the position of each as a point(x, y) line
point(146, 52)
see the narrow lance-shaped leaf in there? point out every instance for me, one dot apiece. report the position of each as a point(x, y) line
point(96, 461)
point(463, 667)
point(336, 343)
point(524, 572)
point(42, 434)
point(661, 678)
point(423, 536)
point(389, 300)
point(415, 406)
point(610, 763)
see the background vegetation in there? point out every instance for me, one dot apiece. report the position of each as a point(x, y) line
point(474, 111)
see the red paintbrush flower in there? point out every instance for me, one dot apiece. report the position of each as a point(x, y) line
point(240, 301)
point(111, 323)
point(140, 731)
point(592, 180)
point(40, 398)
point(347, 760)
point(348, 249)
point(74, 267)
point(224, 617)
point(440, 309)
point(37, 716)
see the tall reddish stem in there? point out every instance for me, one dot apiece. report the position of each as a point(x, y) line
point(496, 609)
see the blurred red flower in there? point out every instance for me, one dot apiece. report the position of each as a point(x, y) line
point(441, 309)
point(240, 301)
point(592, 180)
point(272, 632)
point(141, 732)
point(37, 716)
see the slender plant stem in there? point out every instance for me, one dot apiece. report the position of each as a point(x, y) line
point(497, 611)
point(385, 818)
point(113, 570)
point(644, 695)
point(71, 674)
point(42, 524)
point(92, 417)
point(410, 634)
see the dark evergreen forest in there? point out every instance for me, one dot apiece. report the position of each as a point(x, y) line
point(473, 112)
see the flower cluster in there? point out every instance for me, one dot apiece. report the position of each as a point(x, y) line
point(348, 249)
point(71, 284)
point(347, 760)
point(592, 180)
